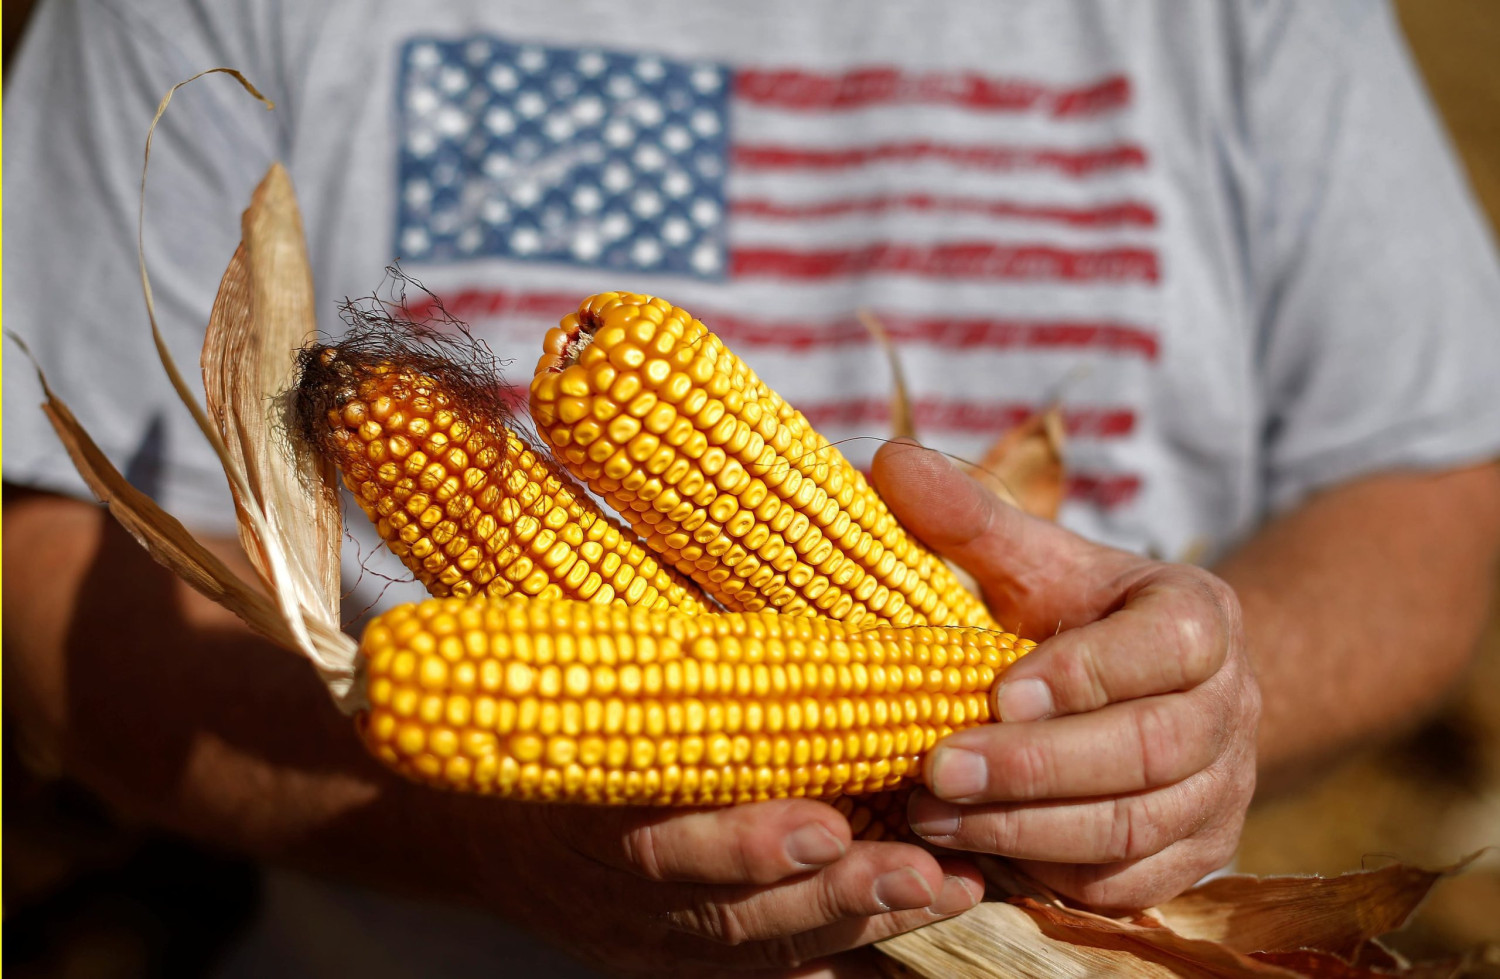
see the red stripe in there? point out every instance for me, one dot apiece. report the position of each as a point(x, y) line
point(1073, 163)
point(1105, 491)
point(1101, 216)
point(949, 333)
point(861, 88)
point(958, 415)
point(963, 260)
point(953, 334)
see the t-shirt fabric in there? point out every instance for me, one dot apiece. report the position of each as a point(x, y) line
point(1229, 239)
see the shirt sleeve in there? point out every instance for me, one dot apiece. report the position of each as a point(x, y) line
point(1378, 308)
point(77, 107)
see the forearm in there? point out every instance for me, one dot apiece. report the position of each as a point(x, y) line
point(1362, 607)
point(121, 677)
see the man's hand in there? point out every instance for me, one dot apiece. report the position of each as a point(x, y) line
point(1125, 758)
point(771, 886)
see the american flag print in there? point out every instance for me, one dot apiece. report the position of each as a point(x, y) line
point(1003, 230)
point(588, 157)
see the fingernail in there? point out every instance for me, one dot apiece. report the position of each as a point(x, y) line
point(958, 774)
point(1024, 700)
point(901, 890)
point(955, 897)
point(814, 845)
point(933, 817)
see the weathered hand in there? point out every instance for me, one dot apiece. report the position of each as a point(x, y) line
point(774, 886)
point(1125, 759)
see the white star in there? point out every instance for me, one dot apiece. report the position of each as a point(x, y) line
point(649, 157)
point(617, 177)
point(453, 80)
point(426, 56)
point(586, 245)
point(618, 132)
point(676, 139)
point(620, 87)
point(526, 193)
point(647, 112)
point(496, 164)
point(470, 240)
point(499, 121)
point(422, 100)
point(524, 241)
point(414, 241)
point(503, 78)
point(558, 128)
point(676, 183)
point(649, 69)
point(587, 199)
point(646, 251)
point(421, 143)
point(532, 59)
point(588, 110)
point(530, 104)
point(705, 211)
point(418, 194)
point(615, 226)
point(646, 204)
point(452, 122)
point(591, 63)
point(494, 211)
point(705, 259)
point(705, 79)
point(478, 51)
point(705, 122)
point(676, 231)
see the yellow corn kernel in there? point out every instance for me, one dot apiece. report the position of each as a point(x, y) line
point(472, 509)
point(716, 708)
point(753, 504)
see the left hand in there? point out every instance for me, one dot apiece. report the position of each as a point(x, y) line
point(1125, 758)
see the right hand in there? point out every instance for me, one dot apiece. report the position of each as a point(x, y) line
point(776, 886)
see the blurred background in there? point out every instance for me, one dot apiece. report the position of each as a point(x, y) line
point(87, 896)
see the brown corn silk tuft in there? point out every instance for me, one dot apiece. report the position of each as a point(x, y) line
point(414, 420)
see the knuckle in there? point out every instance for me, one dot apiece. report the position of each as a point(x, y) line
point(1025, 770)
point(1081, 684)
point(643, 852)
point(1160, 736)
point(712, 920)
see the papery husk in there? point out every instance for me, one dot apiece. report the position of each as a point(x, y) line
point(1235, 926)
point(903, 423)
point(1025, 465)
point(286, 496)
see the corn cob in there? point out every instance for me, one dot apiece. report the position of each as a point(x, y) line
point(465, 504)
point(570, 701)
point(723, 478)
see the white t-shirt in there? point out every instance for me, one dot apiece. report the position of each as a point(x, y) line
point(1229, 237)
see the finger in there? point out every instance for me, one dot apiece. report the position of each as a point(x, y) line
point(758, 843)
point(873, 878)
point(1174, 631)
point(1088, 831)
point(962, 886)
point(1134, 884)
point(1129, 747)
point(1029, 568)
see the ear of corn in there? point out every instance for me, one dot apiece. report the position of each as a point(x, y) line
point(723, 478)
point(570, 701)
point(466, 505)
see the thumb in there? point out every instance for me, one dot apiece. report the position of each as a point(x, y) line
point(1032, 572)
